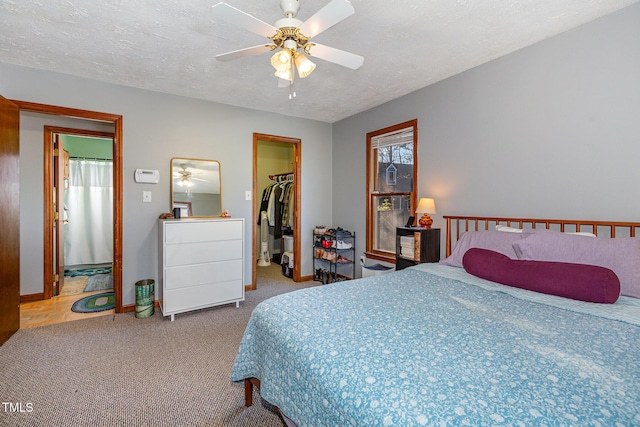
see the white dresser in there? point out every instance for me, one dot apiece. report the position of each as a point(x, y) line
point(201, 263)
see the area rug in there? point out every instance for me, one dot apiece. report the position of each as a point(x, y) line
point(74, 285)
point(93, 303)
point(100, 282)
point(88, 271)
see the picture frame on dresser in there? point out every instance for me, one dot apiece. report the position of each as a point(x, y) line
point(185, 208)
point(410, 222)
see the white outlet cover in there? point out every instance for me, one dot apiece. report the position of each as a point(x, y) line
point(146, 196)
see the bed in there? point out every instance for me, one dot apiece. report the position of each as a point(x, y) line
point(435, 345)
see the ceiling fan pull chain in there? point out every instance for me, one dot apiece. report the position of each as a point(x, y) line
point(292, 91)
point(292, 84)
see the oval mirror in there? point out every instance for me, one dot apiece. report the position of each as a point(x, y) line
point(195, 187)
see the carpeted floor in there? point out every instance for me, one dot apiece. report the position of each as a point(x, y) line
point(117, 370)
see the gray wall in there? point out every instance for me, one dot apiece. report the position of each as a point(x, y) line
point(550, 131)
point(158, 127)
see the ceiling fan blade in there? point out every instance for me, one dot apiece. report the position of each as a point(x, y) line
point(242, 53)
point(243, 19)
point(199, 179)
point(337, 56)
point(327, 17)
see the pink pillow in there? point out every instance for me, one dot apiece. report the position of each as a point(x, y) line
point(622, 254)
point(498, 241)
point(576, 281)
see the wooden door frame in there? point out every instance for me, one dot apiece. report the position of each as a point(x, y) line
point(48, 217)
point(296, 143)
point(116, 120)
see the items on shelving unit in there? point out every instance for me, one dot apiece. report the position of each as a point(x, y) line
point(407, 247)
point(333, 254)
point(416, 245)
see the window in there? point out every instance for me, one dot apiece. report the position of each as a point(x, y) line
point(392, 165)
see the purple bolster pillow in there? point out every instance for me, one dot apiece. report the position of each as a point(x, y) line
point(582, 282)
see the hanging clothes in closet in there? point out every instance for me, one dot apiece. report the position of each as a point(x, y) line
point(277, 201)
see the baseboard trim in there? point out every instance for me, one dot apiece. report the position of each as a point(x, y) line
point(305, 278)
point(128, 308)
point(132, 307)
point(32, 297)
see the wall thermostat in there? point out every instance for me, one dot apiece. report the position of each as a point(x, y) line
point(147, 176)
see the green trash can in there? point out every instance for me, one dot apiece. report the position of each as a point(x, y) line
point(144, 298)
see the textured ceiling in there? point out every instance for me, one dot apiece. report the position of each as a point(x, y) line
point(169, 46)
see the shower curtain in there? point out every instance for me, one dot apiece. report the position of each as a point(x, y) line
point(89, 208)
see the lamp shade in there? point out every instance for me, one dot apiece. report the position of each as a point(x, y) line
point(284, 74)
point(281, 60)
point(304, 65)
point(426, 206)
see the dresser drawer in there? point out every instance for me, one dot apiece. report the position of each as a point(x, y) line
point(204, 295)
point(202, 231)
point(202, 252)
point(200, 274)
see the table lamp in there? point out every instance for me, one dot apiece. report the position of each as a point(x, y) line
point(426, 206)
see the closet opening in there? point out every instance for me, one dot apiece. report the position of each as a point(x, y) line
point(276, 207)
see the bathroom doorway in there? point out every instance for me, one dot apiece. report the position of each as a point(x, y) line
point(79, 185)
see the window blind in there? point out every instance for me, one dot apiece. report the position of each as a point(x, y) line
point(402, 136)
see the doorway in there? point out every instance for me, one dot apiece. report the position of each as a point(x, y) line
point(96, 117)
point(78, 185)
point(290, 165)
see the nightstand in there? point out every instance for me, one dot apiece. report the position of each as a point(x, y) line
point(415, 245)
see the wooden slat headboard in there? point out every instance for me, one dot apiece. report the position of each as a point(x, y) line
point(456, 225)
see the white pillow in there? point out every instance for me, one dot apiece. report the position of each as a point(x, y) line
point(508, 229)
point(518, 230)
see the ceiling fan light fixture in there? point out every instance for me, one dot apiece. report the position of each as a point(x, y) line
point(284, 74)
point(184, 182)
point(290, 34)
point(281, 60)
point(304, 65)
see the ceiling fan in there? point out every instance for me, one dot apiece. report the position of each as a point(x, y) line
point(288, 35)
point(184, 177)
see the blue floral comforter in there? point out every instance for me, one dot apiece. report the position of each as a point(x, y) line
point(430, 346)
